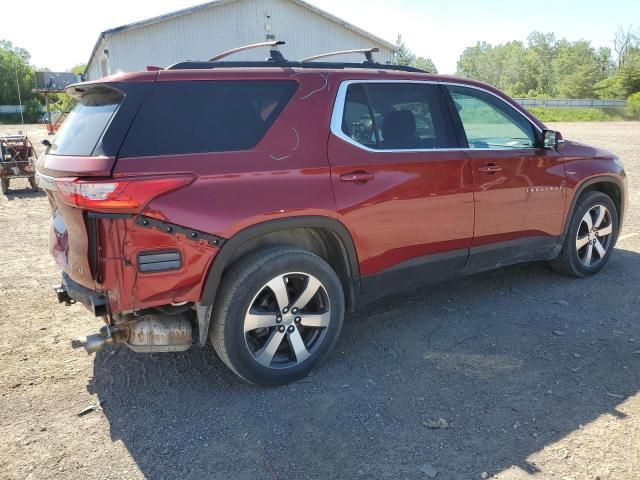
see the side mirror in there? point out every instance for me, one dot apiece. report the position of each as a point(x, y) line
point(550, 139)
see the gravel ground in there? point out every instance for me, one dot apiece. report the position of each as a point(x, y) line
point(532, 373)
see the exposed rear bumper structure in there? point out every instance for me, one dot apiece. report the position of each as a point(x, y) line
point(69, 292)
point(141, 333)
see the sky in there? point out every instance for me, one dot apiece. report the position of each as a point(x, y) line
point(61, 37)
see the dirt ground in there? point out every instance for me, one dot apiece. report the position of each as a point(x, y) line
point(535, 375)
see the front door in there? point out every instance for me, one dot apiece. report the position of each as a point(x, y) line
point(519, 187)
point(402, 188)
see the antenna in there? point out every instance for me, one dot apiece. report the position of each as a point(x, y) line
point(366, 51)
point(19, 96)
point(274, 48)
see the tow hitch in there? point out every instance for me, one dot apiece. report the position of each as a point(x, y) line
point(63, 295)
point(70, 292)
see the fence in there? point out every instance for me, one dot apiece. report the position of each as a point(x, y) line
point(15, 109)
point(571, 102)
point(11, 108)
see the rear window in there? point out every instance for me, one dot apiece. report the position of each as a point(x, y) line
point(205, 116)
point(83, 128)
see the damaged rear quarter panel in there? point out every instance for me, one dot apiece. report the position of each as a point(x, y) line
point(120, 242)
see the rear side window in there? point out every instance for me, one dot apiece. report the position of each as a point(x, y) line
point(82, 130)
point(396, 116)
point(205, 116)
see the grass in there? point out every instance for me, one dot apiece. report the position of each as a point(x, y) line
point(556, 114)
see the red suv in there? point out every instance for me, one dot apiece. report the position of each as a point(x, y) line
point(254, 203)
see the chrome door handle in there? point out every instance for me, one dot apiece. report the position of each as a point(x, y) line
point(490, 168)
point(357, 177)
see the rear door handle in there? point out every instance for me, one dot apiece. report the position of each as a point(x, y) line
point(490, 168)
point(357, 177)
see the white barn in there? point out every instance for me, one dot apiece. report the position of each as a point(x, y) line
point(199, 32)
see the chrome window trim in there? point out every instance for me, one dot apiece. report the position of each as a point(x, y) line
point(338, 112)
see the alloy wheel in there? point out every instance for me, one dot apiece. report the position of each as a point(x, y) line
point(287, 320)
point(594, 235)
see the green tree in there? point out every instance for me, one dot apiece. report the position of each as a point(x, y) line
point(21, 53)
point(425, 64)
point(609, 88)
point(633, 105)
point(14, 62)
point(549, 67)
point(604, 61)
point(404, 56)
point(577, 68)
point(472, 60)
point(541, 50)
point(508, 67)
point(629, 73)
point(32, 110)
point(78, 69)
point(625, 80)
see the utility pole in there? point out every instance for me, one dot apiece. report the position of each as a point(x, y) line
point(19, 97)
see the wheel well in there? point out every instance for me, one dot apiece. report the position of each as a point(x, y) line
point(321, 241)
point(610, 189)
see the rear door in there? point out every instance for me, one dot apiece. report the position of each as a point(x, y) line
point(519, 187)
point(402, 188)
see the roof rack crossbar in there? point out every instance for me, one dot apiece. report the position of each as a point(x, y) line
point(366, 51)
point(274, 47)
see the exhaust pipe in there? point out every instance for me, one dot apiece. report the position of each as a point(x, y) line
point(95, 342)
point(92, 343)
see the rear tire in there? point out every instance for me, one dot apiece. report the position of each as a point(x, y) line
point(278, 314)
point(591, 236)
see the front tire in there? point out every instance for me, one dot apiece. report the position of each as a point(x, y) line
point(278, 315)
point(591, 236)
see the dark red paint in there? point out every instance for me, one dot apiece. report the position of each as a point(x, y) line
point(395, 206)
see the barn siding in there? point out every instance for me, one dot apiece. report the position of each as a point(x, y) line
point(200, 35)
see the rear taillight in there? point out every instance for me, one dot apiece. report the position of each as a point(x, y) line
point(123, 195)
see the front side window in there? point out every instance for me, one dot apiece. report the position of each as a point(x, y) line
point(489, 122)
point(395, 116)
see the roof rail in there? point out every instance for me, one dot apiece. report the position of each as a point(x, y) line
point(275, 55)
point(367, 54)
point(200, 65)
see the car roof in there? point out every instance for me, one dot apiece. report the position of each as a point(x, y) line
point(292, 70)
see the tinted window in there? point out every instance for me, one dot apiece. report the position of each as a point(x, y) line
point(356, 119)
point(489, 122)
point(83, 128)
point(395, 116)
point(210, 116)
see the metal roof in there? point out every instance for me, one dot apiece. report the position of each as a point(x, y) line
point(215, 3)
